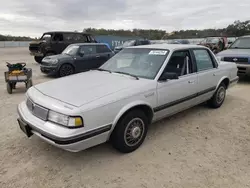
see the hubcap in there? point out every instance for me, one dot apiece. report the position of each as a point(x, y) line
point(134, 132)
point(66, 70)
point(221, 94)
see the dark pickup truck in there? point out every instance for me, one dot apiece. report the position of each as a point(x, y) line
point(53, 43)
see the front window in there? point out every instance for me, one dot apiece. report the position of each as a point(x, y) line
point(243, 43)
point(129, 43)
point(71, 50)
point(46, 37)
point(140, 62)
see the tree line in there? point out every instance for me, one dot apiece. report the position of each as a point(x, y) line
point(236, 29)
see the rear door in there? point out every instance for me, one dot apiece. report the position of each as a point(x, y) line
point(68, 39)
point(208, 73)
point(86, 58)
point(103, 54)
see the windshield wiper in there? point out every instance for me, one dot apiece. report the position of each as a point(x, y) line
point(119, 72)
point(100, 69)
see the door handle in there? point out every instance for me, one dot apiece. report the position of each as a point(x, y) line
point(97, 56)
point(214, 74)
point(191, 81)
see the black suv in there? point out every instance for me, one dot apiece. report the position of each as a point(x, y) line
point(128, 43)
point(52, 43)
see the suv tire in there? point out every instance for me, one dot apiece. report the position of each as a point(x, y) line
point(38, 59)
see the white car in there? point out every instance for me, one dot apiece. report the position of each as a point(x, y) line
point(118, 101)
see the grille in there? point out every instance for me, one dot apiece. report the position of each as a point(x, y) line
point(236, 59)
point(37, 110)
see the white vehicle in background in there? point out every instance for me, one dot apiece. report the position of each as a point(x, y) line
point(118, 101)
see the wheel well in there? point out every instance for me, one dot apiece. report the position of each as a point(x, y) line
point(50, 52)
point(226, 82)
point(67, 64)
point(146, 109)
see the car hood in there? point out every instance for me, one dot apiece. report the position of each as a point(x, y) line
point(59, 57)
point(235, 52)
point(35, 43)
point(83, 88)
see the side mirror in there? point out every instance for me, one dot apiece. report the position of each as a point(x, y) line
point(169, 76)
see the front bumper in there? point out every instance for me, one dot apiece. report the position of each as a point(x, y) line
point(59, 136)
point(243, 69)
point(48, 69)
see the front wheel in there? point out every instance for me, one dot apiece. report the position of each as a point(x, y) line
point(130, 131)
point(38, 59)
point(66, 70)
point(219, 96)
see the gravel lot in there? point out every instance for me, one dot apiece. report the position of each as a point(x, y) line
point(196, 148)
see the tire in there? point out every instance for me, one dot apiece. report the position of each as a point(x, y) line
point(132, 127)
point(219, 96)
point(66, 70)
point(38, 59)
point(9, 88)
point(29, 84)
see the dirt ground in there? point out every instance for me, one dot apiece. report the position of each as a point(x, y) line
point(199, 148)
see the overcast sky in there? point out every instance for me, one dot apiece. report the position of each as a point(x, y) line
point(33, 17)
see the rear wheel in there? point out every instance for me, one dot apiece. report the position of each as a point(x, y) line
point(130, 131)
point(219, 96)
point(65, 70)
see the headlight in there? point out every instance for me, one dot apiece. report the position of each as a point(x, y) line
point(54, 61)
point(65, 120)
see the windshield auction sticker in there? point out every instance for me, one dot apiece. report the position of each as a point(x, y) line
point(158, 52)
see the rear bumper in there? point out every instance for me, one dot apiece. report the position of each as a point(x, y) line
point(234, 81)
point(62, 137)
point(243, 69)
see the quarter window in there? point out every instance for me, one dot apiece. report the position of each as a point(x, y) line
point(203, 60)
point(102, 49)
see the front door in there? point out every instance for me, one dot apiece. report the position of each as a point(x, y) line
point(208, 73)
point(103, 54)
point(179, 94)
point(86, 59)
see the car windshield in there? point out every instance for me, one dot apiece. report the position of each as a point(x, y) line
point(46, 37)
point(243, 43)
point(71, 50)
point(129, 43)
point(139, 62)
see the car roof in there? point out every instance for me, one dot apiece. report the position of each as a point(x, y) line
point(169, 46)
point(50, 32)
point(88, 44)
point(246, 36)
